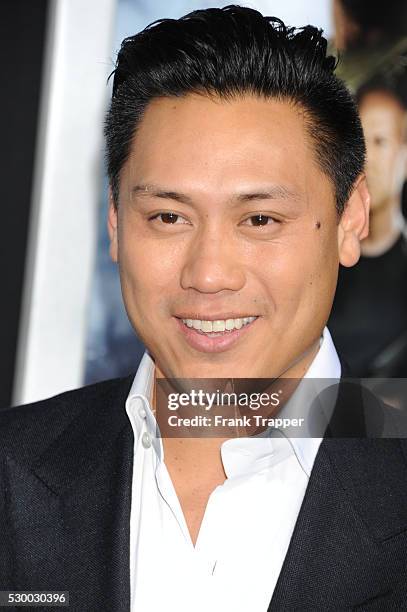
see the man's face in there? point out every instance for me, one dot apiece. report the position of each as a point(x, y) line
point(383, 121)
point(224, 214)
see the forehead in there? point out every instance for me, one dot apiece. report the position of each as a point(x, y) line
point(382, 105)
point(204, 142)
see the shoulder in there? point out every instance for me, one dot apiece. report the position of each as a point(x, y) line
point(27, 430)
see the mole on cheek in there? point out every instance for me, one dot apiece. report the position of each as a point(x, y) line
point(318, 225)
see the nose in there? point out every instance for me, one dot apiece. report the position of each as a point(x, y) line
point(212, 263)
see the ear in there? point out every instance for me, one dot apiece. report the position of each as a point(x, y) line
point(354, 223)
point(112, 227)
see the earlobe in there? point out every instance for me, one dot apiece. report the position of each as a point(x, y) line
point(354, 223)
point(112, 227)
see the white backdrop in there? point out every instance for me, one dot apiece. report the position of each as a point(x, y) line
point(64, 208)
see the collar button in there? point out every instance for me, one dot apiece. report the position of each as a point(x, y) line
point(146, 440)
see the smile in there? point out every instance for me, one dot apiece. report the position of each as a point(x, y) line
point(220, 325)
point(217, 335)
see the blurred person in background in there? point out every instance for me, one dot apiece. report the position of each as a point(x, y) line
point(371, 38)
point(369, 316)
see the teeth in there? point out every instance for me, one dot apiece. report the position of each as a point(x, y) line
point(219, 325)
point(206, 326)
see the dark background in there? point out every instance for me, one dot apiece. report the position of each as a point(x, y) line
point(22, 38)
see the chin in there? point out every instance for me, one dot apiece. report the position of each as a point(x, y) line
point(210, 371)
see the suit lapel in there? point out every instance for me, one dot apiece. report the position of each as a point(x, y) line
point(348, 545)
point(70, 518)
point(349, 541)
point(70, 511)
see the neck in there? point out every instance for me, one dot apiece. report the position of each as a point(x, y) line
point(385, 226)
point(202, 455)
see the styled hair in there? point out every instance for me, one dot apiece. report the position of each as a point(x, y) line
point(230, 52)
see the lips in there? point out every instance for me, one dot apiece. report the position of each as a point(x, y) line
point(215, 341)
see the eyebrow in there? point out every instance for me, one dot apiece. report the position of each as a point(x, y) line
point(273, 192)
point(157, 192)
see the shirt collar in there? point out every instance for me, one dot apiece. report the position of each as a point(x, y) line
point(324, 371)
point(326, 365)
point(249, 455)
point(139, 402)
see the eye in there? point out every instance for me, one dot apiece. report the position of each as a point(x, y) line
point(379, 141)
point(168, 218)
point(260, 220)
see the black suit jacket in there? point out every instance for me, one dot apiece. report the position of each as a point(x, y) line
point(65, 492)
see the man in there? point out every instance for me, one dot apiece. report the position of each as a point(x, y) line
point(374, 339)
point(235, 160)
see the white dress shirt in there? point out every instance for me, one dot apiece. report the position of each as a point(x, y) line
point(248, 520)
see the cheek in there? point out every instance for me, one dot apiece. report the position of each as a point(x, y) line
point(399, 168)
point(389, 165)
point(326, 266)
point(289, 273)
point(379, 158)
point(149, 271)
point(317, 271)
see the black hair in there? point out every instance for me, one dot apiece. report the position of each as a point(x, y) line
point(230, 52)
